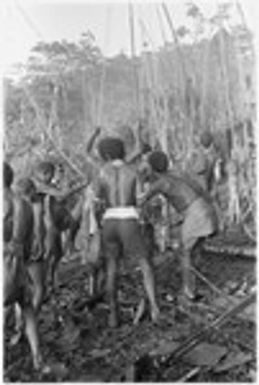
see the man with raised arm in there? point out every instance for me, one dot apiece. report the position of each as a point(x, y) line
point(121, 230)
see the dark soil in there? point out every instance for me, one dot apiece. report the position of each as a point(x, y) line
point(78, 338)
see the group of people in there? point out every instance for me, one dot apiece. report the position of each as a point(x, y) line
point(36, 218)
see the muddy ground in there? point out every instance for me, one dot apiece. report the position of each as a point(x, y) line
point(80, 347)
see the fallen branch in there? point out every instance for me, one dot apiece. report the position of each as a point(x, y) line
point(248, 251)
point(193, 341)
point(189, 375)
point(212, 286)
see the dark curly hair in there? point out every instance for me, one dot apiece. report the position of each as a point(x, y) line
point(158, 161)
point(8, 175)
point(45, 167)
point(206, 139)
point(111, 148)
point(26, 186)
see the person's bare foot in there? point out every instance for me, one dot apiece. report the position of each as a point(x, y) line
point(155, 315)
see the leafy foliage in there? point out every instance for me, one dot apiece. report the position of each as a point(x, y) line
point(204, 84)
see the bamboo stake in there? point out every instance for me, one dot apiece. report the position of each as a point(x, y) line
point(161, 24)
point(163, 34)
point(133, 55)
point(184, 72)
point(171, 25)
point(83, 77)
point(103, 74)
point(204, 85)
point(234, 209)
point(241, 12)
point(160, 115)
point(152, 99)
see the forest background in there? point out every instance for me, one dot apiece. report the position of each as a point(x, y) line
point(203, 79)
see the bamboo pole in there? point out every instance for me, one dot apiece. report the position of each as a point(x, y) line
point(134, 57)
point(83, 77)
point(169, 122)
point(163, 35)
point(161, 114)
point(150, 87)
point(103, 74)
point(204, 85)
point(175, 38)
point(184, 73)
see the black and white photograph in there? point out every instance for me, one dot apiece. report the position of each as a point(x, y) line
point(129, 191)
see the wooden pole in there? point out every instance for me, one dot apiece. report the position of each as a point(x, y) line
point(175, 38)
point(84, 93)
point(103, 74)
point(183, 68)
point(134, 56)
point(149, 85)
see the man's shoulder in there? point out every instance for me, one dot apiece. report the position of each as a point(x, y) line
point(7, 202)
point(163, 182)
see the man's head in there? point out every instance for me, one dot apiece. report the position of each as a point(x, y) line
point(206, 139)
point(45, 172)
point(158, 161)
point(111, 148)
point(8, 175)
point(26, 187)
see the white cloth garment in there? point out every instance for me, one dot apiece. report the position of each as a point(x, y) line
point(129, 212)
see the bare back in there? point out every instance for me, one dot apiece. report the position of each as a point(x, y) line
point(8, 209)
point(117, 185)
point(19, 222)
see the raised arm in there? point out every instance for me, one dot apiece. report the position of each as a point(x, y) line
point(92, 140)
point(141, 148)
point(60, 194)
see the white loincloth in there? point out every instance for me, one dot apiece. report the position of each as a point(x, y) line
point(129, 212)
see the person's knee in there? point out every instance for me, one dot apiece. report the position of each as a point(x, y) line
point(111, 251)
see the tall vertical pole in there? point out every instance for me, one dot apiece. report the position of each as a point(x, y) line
point(103, 74)
point(183, 68)
point(171, 26)
point(133, 56)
